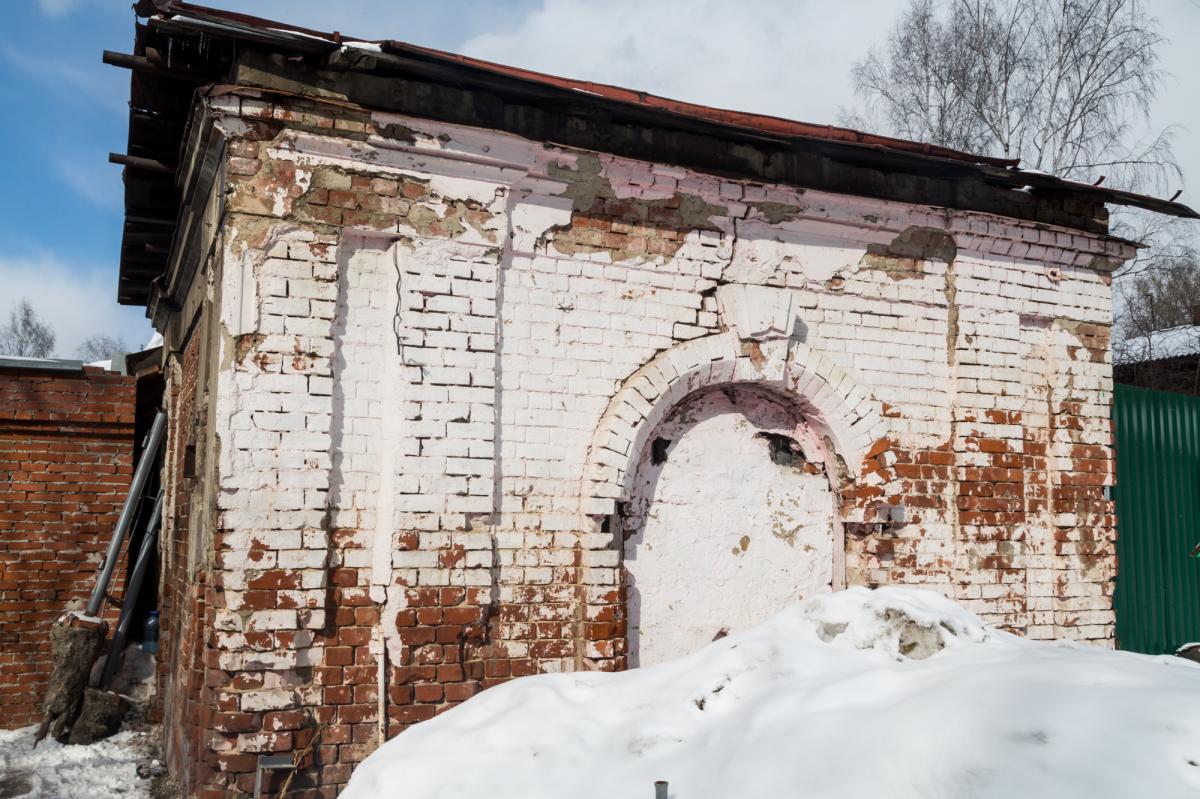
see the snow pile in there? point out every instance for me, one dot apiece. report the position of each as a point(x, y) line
point(896, 693)
point(57, 771)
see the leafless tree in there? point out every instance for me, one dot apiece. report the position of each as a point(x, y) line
point(25, 334)
point(1163, 297)
point(1157, 336)
point(1064, 85)
point(100, 347)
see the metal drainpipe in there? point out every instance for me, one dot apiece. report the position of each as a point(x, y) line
point(381, 683)
point(116, 648)
point(128, 511)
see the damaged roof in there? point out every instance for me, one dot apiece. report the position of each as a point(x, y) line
point(181, 47)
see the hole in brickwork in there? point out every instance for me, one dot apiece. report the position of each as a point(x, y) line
point(784, 450)
point(615, 521)
point(658, 451)
point(189, 460)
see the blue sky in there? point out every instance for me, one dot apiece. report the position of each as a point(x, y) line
point(60, 217)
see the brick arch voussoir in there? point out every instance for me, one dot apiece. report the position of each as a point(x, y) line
point(829, 397)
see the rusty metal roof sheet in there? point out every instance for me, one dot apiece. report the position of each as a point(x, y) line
point(182, 46)
point(754, 122)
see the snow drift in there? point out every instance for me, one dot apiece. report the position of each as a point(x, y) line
point(893, 692)
point(51, 770)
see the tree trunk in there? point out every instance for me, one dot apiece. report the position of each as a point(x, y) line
point(75, 641)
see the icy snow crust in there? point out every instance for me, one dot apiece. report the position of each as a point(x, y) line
point(821, 701)
point(54, 771)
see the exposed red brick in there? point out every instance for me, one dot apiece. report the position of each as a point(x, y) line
point(66, 459)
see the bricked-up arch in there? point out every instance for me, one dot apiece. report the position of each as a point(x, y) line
point(830, 400)
point(832, 404)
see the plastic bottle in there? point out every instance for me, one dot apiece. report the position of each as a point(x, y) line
point(150, 633)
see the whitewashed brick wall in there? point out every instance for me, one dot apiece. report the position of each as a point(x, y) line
point(434, 388)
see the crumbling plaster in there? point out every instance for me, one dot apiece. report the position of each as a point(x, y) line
point(805, 244)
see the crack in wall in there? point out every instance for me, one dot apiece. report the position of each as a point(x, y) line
point(952, 313)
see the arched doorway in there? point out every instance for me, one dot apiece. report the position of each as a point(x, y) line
point(730, 517)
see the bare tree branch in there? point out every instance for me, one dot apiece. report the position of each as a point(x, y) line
point(100, 347)
point(1066, 86)
point(26, 335)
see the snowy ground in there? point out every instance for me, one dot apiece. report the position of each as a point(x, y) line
point(894, 693)
point(55, 771)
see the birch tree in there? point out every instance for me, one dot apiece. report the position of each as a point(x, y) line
point(1064, 85)
point(26, 335)
point(100, 347)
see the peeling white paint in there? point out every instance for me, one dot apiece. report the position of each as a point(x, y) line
point(229, 126)
point(389, 441)
point(757, 312)
point(763, 251)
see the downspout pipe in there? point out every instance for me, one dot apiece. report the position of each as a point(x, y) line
point(117, 648)
point(145, 465)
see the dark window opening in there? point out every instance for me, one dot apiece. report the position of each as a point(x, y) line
point(189, 460)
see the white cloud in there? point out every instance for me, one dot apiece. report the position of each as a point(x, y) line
point(58, 8)
point(71, 83)
point(790, 58)
point(76, 302)
point(91, 177)
point(784, 57)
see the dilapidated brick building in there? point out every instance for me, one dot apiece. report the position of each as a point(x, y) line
point(476, 373)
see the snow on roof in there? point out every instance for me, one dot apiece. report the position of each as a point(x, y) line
point(894, 692)
point(43, 364)
point(1174, 342)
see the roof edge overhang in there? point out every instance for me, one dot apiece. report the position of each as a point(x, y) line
point(964, 179)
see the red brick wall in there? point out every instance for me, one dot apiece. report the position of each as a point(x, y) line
point(182, 693)
point(66, 454)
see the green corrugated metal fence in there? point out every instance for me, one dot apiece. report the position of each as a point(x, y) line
point(1158, 519)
